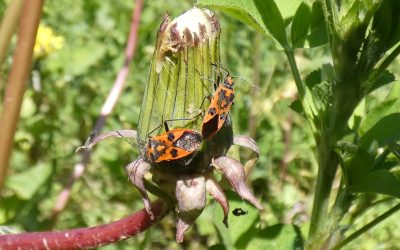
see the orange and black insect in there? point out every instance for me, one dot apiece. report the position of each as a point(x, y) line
point(218, 111)
point(172, 145)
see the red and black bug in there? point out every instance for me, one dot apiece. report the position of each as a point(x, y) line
point(172, 145)
point(218, 111)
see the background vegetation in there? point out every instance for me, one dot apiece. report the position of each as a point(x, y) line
point(82, 50)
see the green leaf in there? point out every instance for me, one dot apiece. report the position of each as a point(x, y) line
point(262, 15)
point(301, 24)
point(351, 20)
point(380, 181)
point(245, 11)
point(241, 228)
point(313, 78)
point(288, 8)
point(385, 78)
point(217, 247)
point(224, 234)
point(377, 113)
point(273, 20)
point(279, 236)
point(322, 95)
point(357, 116)
point(394, 92)
point(318, 35)
point(319, 87)
point(27, 183)
point(360, 165)
point(297, 107)
point(385, 131)
point(386, 23)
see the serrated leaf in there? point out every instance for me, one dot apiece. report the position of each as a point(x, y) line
point(300, 25)
point(385, 131)
point(262, 15)
point(321, 96)
point(297, 107)
point(279, 236)
point(313, 78)
point(27, 183)
point(380, 181)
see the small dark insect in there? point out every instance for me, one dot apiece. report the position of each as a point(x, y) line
point(239, 212)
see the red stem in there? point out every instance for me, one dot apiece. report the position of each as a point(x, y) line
point(90, 237)
point(107, 108)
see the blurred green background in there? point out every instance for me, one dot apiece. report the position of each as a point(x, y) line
point(82, 49)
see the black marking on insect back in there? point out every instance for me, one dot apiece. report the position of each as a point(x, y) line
point(155, 154)
point(174, 153)
point(189, 141)
point(222, 93)
point(211, 111)
point(221, 98)
point(171, 137)
point(231, 97)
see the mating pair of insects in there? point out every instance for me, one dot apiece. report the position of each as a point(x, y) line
point(179, 143)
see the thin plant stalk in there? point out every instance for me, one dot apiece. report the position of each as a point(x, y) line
point(367, 227)
point(8, 25)
point(16, 84)
point(107, 108)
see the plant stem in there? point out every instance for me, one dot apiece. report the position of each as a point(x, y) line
point(296, 74)
point(8, 25)
point(327, 166)
point(319, 225)
point(301, 89)
point(16, 84)
point(90, 237)
point(331, 17)
point(367, 227)
point(106, 110)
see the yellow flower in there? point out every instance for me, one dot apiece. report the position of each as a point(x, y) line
point(46, 42)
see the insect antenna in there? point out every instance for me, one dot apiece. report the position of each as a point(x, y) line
point(238, 77)
point(123, 137)
point(219, 66)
